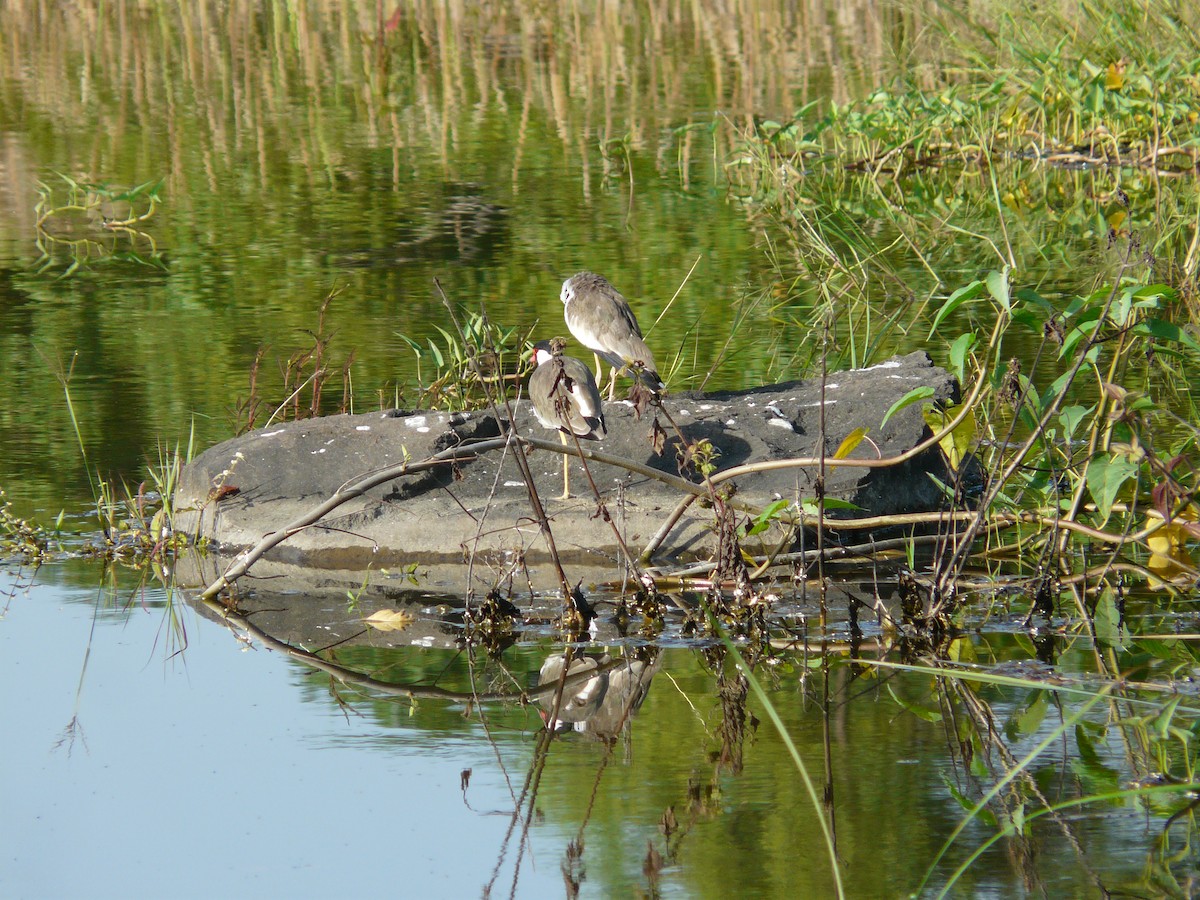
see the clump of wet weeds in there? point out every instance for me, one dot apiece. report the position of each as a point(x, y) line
point(84, 223)
point(492, 623)
point(25, 540)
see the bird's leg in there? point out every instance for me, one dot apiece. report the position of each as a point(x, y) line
point(599, 368)
point(612, 384)
point(566, 494)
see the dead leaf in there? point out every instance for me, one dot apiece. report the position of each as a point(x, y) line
point(658, 437)
point(389, 620)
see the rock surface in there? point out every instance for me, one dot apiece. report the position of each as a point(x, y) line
point(480, 511)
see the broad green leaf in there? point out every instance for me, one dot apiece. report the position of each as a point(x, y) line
point(416, 348)
point(1166, 331)
point(1029, 319)
point(916, 394)
point(985, 815)
point(1033, 298)
point(1106, 475)
point(452, 344)
point(958, 353)
point(1157, 291)
point(1071, 416)
point(1025, 721)
point(997, 284)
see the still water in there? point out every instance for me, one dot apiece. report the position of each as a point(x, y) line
point(314, 149)
point(155, 751)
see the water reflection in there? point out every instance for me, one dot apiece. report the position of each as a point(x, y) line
point(698, 773)
point(604, 702)
point(686, 787)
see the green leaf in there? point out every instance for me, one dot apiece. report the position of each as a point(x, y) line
point(416, 348)
point(1071, 416)
point(985, 815)
point(1029, 319)
point(437, 354)
point(1165, 331)
point(958, 353)
point(1025, 721)
point(764, 519)
point(1156, 291)
point(997, 284)
point(1107, 620)
point(1106, 475)
point(928, 713)
point(1032, 298)
point(1162, 722)
point(1096, 778)
point(809, 507)
point(954, 301)
point(915, 395)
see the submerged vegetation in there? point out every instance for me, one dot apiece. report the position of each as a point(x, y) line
point(1021, 202)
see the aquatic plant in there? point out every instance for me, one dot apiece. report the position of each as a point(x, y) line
point(94, 223)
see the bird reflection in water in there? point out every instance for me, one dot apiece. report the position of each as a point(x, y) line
point(599, 704)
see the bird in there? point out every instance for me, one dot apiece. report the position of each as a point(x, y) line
point(600, 319)
point(565, 397)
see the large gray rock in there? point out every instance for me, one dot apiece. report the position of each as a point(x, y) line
point(479, 511)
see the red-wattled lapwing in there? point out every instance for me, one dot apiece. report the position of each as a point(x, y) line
point(601, 320)
point(565, 397)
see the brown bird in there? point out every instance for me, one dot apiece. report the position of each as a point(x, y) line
point(565, 397)
point(600, 319)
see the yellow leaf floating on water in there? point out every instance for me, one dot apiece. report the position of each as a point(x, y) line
point(389, 620)
point(1169, 556)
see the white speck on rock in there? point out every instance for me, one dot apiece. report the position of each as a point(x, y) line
point(362, 427)
point(424, 429)
point(415, 422)
point(781, 423)
point(514, 484)
point(319, 450)
point(271, 433)
point(890, 364)
point(705, 407)
point(730, 423)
